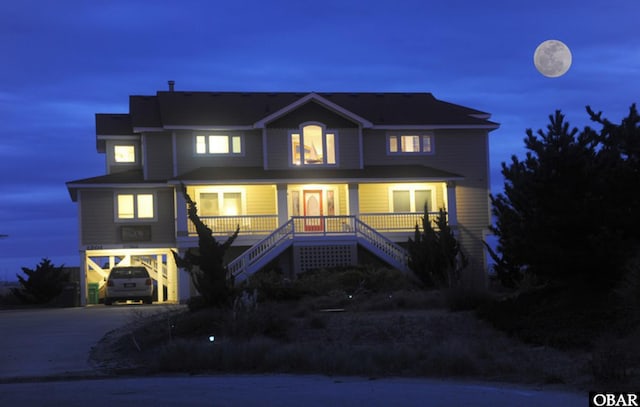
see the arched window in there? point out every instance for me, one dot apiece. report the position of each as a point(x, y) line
point(313, 145)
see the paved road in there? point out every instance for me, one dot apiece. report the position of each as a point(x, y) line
point(41, 346)
point(57, 341)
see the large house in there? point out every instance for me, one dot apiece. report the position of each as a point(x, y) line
point(312, 179)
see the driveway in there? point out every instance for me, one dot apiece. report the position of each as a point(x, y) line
point(57, 341)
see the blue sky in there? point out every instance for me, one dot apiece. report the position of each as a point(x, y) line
point(64, 61)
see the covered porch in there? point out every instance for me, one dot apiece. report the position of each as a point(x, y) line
point(389, 208)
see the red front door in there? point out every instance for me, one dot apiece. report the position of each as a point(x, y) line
point(313, 210)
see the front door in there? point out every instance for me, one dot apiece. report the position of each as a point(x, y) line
point(313, 210)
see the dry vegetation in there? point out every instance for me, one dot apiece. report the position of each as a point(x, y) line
point(374, 325)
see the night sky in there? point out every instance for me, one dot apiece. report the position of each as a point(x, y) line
point(63, 61)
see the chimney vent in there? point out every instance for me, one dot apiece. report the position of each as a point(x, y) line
point(171, 85)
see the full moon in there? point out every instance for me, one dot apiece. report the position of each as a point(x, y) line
point(552, 58)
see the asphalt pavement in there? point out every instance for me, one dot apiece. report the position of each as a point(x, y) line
point(45, 362)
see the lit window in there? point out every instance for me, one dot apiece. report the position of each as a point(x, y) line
point(218, 144)
point(135, 206)
point(124, 154)
point(410, 144)
point(313, 146)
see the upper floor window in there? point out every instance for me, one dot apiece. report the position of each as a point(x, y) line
point(124, 153)
point(313, 145)
point(135, 206)
point(218, 144)
point(410, 144)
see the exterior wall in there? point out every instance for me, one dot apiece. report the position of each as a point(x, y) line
point(374, 198)
point(112, 165)
point(259, 199)
point(463, 152)
point(187, 160)
point(347, 149)
point(99, 228)
point(341, 197)
point(158, 156)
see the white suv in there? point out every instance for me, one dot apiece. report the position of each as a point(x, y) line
point(129, 283)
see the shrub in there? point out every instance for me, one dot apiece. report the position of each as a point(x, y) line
point(43, 284)
point(434, 255)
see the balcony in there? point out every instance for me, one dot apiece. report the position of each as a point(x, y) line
point(266, 224)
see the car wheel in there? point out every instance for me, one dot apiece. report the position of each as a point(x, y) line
point(148, 300)
point(108, 301)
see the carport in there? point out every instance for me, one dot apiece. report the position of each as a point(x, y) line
point(159, 262)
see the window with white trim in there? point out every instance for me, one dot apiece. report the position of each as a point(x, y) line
point(124, 154)
point(221, 203)
point(218, 144)
point(312, 145)
point(410, 143)
point(410, 200)
point(135, 206)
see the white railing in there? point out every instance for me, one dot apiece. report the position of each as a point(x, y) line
point(397, 222)
point(381, 246)
point(259, 250)
point(249, 225)
point(298, 226)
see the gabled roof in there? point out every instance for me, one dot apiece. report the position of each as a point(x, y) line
point(318, 99)
point(173, 109)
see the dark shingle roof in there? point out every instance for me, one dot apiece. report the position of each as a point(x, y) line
point(369, 173)
point(247, 108)
point(114, 124)
point(117, 178)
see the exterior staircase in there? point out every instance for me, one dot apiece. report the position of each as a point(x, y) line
point(347, 228)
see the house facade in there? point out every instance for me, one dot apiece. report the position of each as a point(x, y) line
point(312, 180)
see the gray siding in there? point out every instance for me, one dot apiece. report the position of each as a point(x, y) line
point(112, 165)
point(158, 156)
point(463, 152)
point(278, 149)
point(188, 161)
point(99, 226)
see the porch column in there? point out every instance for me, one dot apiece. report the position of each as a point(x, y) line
point(281, 203)
point(182, 228)
point(452, 209)
point(354, 200)
point(184, 283)
point(83, 278)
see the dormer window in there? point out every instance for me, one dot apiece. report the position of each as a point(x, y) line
point(218, 144)
point(410, 143)
point(313, 145)
point(124, 154)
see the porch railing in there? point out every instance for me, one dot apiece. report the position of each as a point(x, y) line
point(274, 244)
point(249, 225)
point(396, 222)
point(266, 224)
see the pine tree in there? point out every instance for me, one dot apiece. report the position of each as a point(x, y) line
point(434, 254)
point(569, 210)
point(43, 284)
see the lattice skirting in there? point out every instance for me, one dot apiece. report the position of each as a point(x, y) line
point(314, 257)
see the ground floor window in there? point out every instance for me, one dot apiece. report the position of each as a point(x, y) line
point(411, 200)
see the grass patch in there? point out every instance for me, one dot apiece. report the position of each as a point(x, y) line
point(353, 323)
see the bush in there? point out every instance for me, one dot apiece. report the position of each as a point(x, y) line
point(43, 284)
